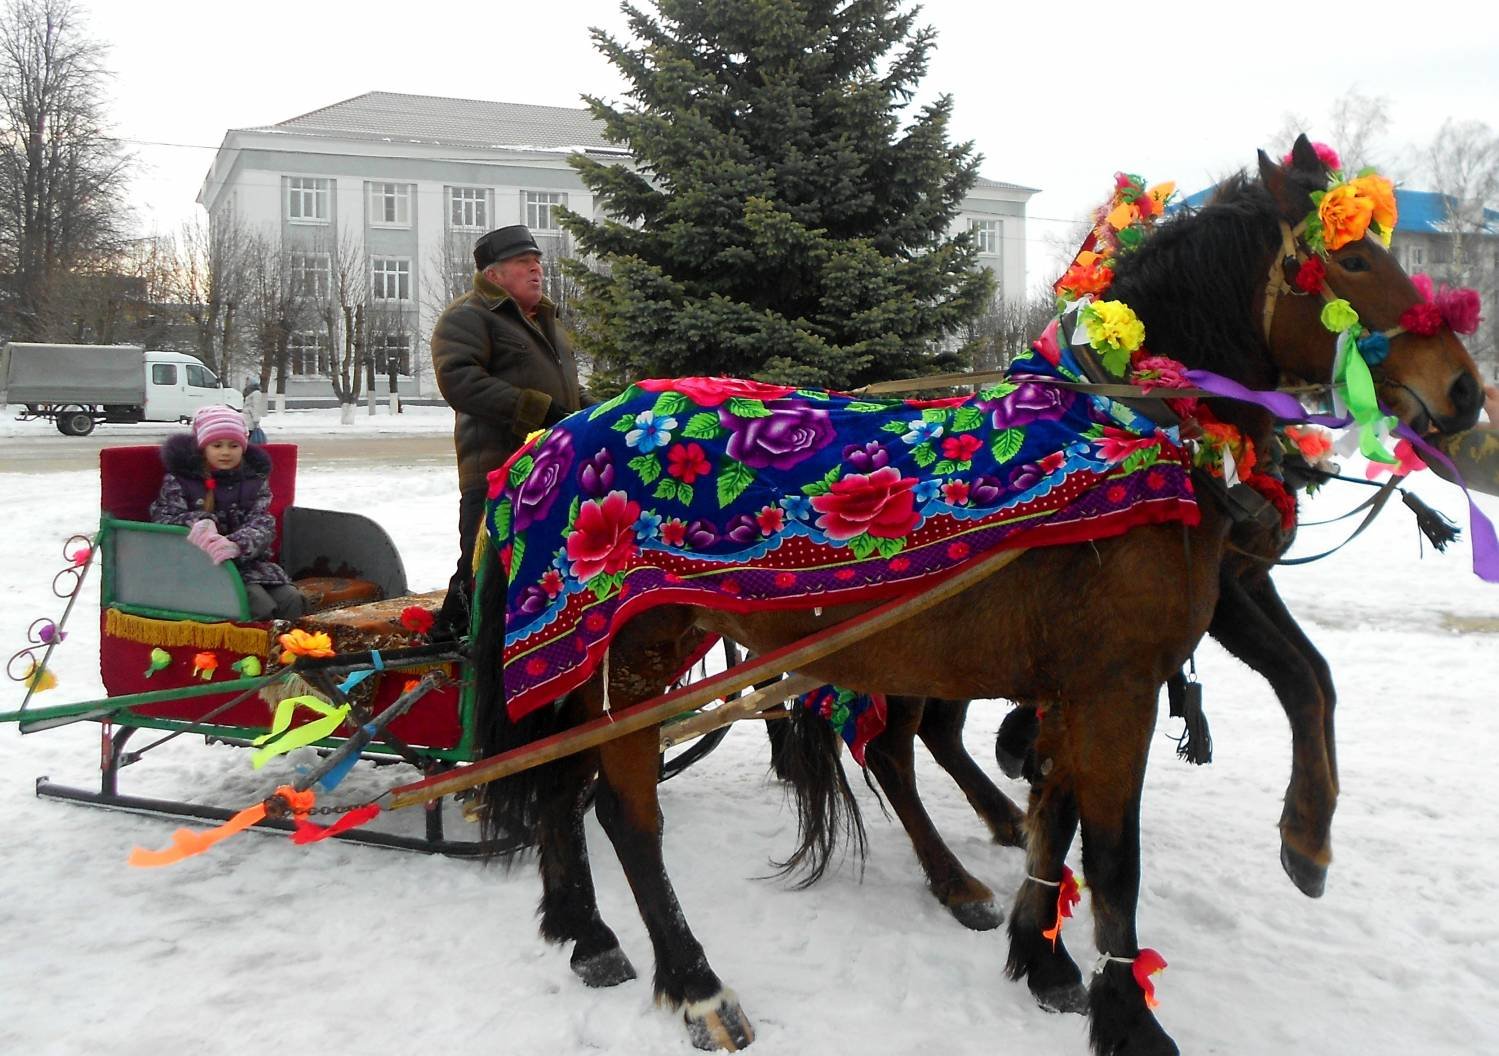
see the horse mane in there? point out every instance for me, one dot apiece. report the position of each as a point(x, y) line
point(1192, 282)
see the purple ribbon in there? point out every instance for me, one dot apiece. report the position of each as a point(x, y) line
point(1480, 529)
point(1288, 408)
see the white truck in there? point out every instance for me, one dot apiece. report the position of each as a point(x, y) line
point(78, 386)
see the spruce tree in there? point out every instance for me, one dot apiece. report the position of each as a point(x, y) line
point(786, 217)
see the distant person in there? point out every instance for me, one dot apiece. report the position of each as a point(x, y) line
point(507, 369)
point(254, 411)
point(217, 484)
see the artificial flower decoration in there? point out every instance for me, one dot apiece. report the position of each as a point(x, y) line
point(205, 664)
point(1423, 319)
point(1311, 275)
point(1375, 348)
point(1345, 216)
point(302, 643)
point(1406, 462)
point(1069, 894)
point(416, 619)
point(1115, 331)
point(1313, 442)
point(1338, 315)
point(1089, 274)
point(1347, 210)
point(160, 658)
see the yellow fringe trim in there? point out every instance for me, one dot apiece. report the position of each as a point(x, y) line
point(143, 629)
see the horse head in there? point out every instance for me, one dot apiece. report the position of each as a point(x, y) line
point(1332, 271)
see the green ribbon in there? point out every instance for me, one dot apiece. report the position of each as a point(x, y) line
point(1355, 383)
point(307, 733)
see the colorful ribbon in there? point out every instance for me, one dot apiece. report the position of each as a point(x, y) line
point(278, 741)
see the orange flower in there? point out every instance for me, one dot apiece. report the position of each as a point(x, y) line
point(1381, 193)
point(300, 643)
point(1345, 215)
point(1122, 215)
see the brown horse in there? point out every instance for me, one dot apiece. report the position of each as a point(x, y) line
point(1062, 626)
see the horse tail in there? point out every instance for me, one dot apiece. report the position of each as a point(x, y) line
point(809, 761)
point(510, 808)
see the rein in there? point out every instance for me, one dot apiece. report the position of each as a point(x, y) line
point(1293, 247)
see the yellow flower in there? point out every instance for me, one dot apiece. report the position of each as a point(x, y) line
point(300, 643)
point(1381, 193)
point(1113, 324)
point(1161, 193)
point(1338, 315)
point(1345, 215)
point(1122, 215)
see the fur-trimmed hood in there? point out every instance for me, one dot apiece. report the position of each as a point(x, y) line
point(183, 458)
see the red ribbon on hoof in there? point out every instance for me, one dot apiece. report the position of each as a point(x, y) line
point(1068, 895)
point(1148, 963)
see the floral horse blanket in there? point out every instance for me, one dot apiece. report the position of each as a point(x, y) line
point(742, 495)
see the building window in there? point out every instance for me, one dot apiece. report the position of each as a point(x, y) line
point(468, 207)
point(390, 204)
point(986, 235)
point(1417, 257)
point(391, 351)
point(541, 209)
point(392, 279)
point(309, 275)
point(307, 200)
point(307, 354)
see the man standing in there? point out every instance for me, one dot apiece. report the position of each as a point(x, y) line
point(505, 366)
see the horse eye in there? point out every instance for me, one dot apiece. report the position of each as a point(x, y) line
point(1352, 264)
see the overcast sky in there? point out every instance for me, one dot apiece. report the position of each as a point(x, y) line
point(1055, 95)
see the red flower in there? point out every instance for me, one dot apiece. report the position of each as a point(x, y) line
point(771, 519)
point(958, 551)
point(416, 619)
point(844, 574)
point(1117, 493)
point(1424, 319)
point(687, 462)
point(603, 537)
point(1275, 491)
point(955, 492)
point(673, 531)
point(536, 666)
point(1311, 275)
point(899, 564)
point(551, 582)
point(881, 503)
point(960, 448)
point(1117, 445)
point(785, 580)
point(595, 622)
point(710, 392)
point(1052, 462)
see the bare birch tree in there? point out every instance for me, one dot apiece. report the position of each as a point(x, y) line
point(62, 177)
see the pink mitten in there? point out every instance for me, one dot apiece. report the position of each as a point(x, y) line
point(202, 530)
point(220, 549)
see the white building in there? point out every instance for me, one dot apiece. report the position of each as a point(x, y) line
point(403, 184)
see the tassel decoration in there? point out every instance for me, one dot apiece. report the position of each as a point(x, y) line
point(1437, 528)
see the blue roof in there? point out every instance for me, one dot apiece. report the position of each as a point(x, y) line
point(1420, 211)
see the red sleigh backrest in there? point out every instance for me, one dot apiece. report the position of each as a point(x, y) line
point(130, 478)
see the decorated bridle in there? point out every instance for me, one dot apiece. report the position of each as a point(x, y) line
point(1344, 213)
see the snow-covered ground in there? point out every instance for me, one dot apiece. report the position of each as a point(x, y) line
point(260, 946)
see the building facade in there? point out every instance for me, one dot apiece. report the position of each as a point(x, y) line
point(391, 191)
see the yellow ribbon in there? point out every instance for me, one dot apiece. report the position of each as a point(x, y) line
point(307, 733)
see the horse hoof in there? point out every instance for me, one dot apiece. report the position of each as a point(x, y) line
point(1306, 874)
point(977, 916)
point(718, 1023)
point(1070, 998)
point(609, 968)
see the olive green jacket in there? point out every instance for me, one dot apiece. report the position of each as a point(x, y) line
point(1475, 453)
point(501, 373)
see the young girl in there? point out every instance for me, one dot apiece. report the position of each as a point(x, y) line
point(218, 485)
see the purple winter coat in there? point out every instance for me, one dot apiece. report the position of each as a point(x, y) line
point(242, 501)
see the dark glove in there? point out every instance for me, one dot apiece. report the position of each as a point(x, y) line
point(555, 413)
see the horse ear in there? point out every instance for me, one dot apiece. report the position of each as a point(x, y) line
point(1304, 155)
point(1288, 198)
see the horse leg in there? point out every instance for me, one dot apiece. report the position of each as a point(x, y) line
point(1251, 623)
point(1052, 976)
point(941, 730)
point(569, 908)
point(1106, 751)
point(629, 811)
point(891, 758)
